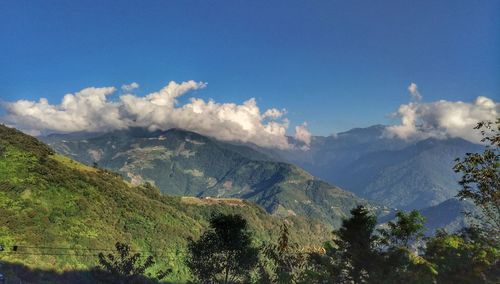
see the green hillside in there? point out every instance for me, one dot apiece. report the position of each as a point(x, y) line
point(60, 213)
point(181, 163)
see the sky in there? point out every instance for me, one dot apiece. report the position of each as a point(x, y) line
point(319, 67)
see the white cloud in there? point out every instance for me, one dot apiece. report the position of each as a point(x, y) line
point(442, 119)
point(302, 134)
point(274, 113)
point(89, 110)
point(414, 93)
point(84, 110)
point(130, 87)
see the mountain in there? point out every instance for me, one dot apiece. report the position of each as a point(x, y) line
point(393, 172)
point(448, 215)
point(418, 176)
point(185, 163)
point(327, 154)
point(56, 214)
point(389, 171)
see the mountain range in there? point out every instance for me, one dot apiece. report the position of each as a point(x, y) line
point(389, 172)
point(56, 214)
point(184, 163)
point(402, 174)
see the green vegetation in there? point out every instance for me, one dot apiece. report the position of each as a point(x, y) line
point(408, 229)
point(282, 262)
point(481, 179)
point(60, 214)
point(458, 258)
point(355, 245)
point(225, 253)
point(358, 254)
point(123, 267)
point(59, 218)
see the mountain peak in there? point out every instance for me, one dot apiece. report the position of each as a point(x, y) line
point(377, 130)
point(183, 132)
point(454, 141)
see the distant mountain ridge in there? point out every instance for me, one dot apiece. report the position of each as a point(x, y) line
point(394, 172)
point(449, 215)
point(181, 162)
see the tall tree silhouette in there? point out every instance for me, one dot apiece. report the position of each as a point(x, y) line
point(224, 253)
point(287, 262)
point(356, 243)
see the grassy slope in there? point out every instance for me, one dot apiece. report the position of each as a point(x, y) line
point(51, 201)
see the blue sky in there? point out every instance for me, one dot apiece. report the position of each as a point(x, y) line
point(334, 64)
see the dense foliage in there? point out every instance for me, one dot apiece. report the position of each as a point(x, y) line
point(224, 253)
point(125, 267)
point(408, 229)
point(359, 254)
point(283, 262)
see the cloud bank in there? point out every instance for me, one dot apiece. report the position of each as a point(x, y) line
point(90, 110)
point(442, 119)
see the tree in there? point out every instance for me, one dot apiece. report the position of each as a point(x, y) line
point(458, 259)
point(356, 243)
point(224, 253)
point(123, 267)
point(399, 263)
point(408, 228)
point(287, 262)
point(481, 178)
point(324, 267)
